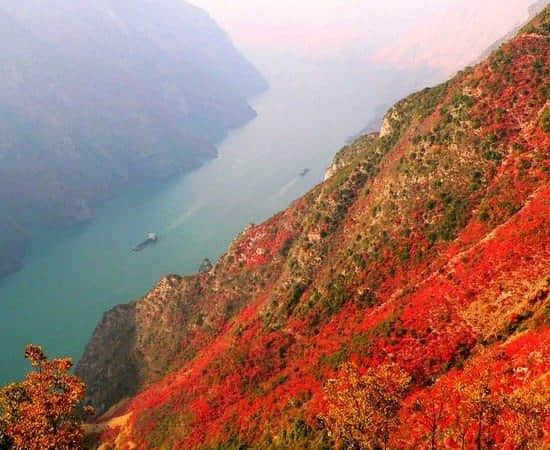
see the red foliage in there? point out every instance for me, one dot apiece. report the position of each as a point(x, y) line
point(428, 317)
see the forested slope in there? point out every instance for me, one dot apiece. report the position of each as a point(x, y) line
point(402, 303)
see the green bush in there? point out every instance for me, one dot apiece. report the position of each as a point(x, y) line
point(335, 298)
point(296, 293)
point(545, 120)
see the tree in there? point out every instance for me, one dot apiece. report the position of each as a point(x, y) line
point(363, 409)
point(428, 417)
point(481, 405)
point(526, 413)
point(41, 412)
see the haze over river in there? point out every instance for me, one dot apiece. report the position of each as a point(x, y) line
point(72, 276)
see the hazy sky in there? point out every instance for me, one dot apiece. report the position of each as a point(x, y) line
point(316, 26)
point(405, 32)
point(459, 33)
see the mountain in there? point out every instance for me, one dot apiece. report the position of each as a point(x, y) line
point(533, 10)
point(422, 260)
point(98, 96)
point(457, 35)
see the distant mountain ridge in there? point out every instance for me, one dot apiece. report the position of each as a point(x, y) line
point(533, 10)
point(97, 96)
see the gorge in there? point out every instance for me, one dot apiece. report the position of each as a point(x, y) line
point(419, 259)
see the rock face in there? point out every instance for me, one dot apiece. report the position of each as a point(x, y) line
point(98, 96)
point(391, 117)
point(136, 341)
point(427, 250)
point(114, 341)
point(206, 266)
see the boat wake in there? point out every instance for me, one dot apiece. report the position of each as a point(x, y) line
point(184, 217)
point(284, 190)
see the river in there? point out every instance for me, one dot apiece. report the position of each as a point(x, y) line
point(72, 276)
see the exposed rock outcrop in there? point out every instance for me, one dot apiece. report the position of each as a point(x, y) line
point(136, 342)
point(206, 266)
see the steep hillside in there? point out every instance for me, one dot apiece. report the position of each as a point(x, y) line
point(424, 253)
point(97, 96)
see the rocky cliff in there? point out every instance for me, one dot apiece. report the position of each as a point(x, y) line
point(426, 249)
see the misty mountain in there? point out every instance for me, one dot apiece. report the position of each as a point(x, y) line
point(97, 96)
point(533, 11)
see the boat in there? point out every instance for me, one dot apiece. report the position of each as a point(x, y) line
point(152, 238)
point(304, 172)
